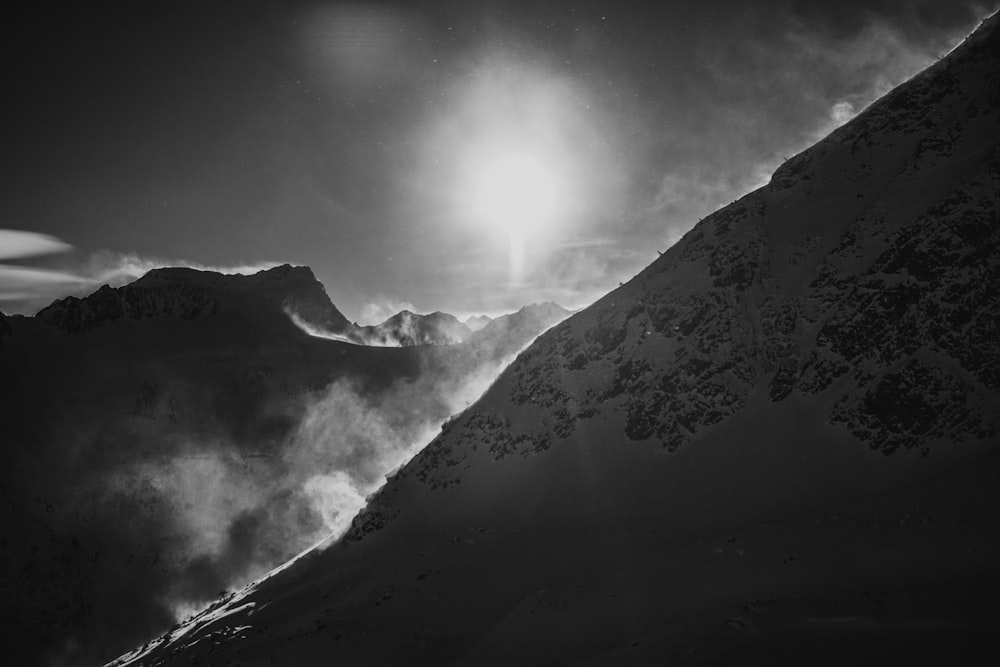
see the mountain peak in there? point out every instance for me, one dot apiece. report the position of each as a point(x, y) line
point(407, 329)
point(186, 293)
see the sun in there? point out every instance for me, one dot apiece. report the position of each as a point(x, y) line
point(516, 194)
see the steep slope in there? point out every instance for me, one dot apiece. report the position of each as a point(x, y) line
point(776, 445)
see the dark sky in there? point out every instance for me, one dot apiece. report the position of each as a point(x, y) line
point(348, 136)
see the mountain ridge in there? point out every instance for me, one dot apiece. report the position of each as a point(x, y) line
point(185, 293)
point(407, 329)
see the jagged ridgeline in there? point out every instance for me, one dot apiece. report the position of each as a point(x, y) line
point(181, 293)
point(776, 443)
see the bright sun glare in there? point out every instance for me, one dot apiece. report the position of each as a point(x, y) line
point(516, 194)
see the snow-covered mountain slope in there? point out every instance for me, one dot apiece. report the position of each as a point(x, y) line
point(776, 445)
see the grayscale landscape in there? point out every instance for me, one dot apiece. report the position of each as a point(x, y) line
point(772, 439)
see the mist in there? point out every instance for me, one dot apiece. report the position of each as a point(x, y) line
point(238, 515)
point(186, 477)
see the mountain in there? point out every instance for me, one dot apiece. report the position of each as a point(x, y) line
point(181, 293)
point(406, 329)
point(183, 434)
point(775, 445)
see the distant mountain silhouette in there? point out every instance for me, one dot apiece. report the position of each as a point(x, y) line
point(407, 329)
point(181, 293)
point(775, 445)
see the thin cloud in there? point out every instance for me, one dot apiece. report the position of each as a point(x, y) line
point(24, 283)
point(20, 283)
point(17, 244)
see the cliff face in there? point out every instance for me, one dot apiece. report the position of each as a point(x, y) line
point(777, 442)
